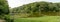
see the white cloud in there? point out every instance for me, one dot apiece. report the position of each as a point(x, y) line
point(16, 3)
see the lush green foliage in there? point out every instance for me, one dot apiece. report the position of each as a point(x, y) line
point(38, 9)
point(4, 9)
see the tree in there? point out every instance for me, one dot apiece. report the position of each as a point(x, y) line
point(39, 8)
point(4, 9)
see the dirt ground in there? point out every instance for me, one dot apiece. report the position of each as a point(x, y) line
point(2, 20)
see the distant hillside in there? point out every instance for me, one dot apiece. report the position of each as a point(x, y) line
point(38, 9)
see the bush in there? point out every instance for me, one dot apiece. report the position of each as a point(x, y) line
point(8, 19)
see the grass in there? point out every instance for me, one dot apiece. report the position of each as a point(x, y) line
point(38, 19)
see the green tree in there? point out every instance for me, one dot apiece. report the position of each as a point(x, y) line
point(38, 8)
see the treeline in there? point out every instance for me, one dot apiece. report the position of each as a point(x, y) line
point(38, 9)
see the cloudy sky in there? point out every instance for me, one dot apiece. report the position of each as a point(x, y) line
point(16, 3)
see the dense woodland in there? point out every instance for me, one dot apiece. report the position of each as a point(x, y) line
point(4, 8)
point(38, 9)
point(4, 11)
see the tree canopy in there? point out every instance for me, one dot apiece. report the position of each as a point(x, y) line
point(38, 7)
point(4, 8)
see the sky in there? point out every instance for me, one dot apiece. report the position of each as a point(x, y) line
point(16, 3)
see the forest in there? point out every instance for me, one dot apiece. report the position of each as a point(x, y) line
point(33, 12)
point(4, 11)
point(38, 9)
point(37, 12)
